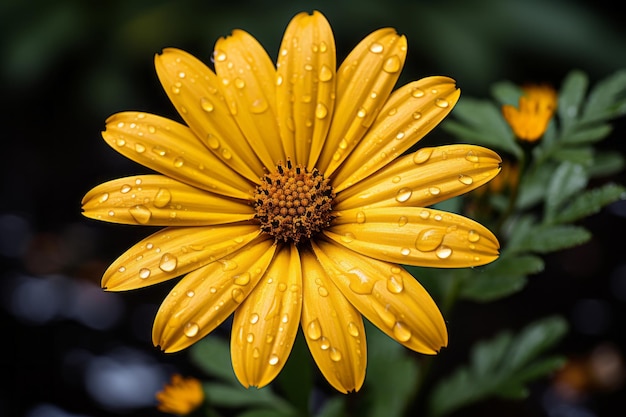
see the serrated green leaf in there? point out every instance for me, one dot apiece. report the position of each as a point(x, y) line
point(212, 355)
point(532, 188)
point(391, 376)
point(585, 135)
point(582, 156)
point(606, 164)
point(506, 92)
point(546, 238)
point(606, 99)
point(483, 124)
point(567, 180)
point(571, 96)
point(501, 367)
point(590, 202)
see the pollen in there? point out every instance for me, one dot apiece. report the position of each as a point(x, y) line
point(293, 204)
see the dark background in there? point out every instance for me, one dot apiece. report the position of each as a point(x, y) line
point(69, 349)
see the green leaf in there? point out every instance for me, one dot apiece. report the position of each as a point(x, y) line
point(567, 180)
point(546, 238)
point(500, 278)
point(506, 92)
point(501, 367)
point(212, 355)
point(236, 396)
point(296, 378)
point(483, 124)
point(585, 135)
point(581, 156)
point(571, 96)
point(391, 376)
point(590, 202)
point(607, 99)
point(606, 164)
point(265, 413)
point(334, 407)
point(532, 189)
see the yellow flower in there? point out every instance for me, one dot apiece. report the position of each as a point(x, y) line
point(180, 396)
point(536, 108)
point(289, 201)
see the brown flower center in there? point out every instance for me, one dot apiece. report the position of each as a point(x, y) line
point(292, 203)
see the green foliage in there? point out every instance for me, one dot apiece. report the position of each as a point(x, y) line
point(501, 367)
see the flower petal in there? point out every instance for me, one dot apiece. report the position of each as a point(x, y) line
point(266, 323)
point(386, 295)
point(204, 298)
point(305, 86)
point(423, 178)
point(172, 252)
point(157, 200)
point(195, 92)
point(173, 150)
point(410, 113)
point(364, 82)
point(248, 80)
point(333, 329)
point(415, 236)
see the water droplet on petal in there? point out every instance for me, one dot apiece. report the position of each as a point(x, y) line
point(159, 151)
point(335, 354)
point(212, 141)
point(242, 279)
point(237, 295)
point(443, 252)
point(392, 64)
point(417, 115)
point(324, 343)
point(360, 217)
point(104, 197)
point(360, 283)
point(250, 338)
point(219, 56)
point(191, 329)
point(443, 103)
point(168, 262)
point(388, 318)
point(417, 92)
point(139, 148)
point(471, 157)
point(314, 330)
point(361, 113)
point(256, 353)
point(429, 239)
point(395, 284)
point(179, 162)
point(422, 155)
point(162, 198)
point(434, 190)
point(141, 214)
point(401, 332)
point(322, 291)
point(206, 105)
point(254, 318)
point(376, 48)
point(347, 237)
point(321, 111)
point(326, 74)
point(258, 106)
point(405, 251)
point(403, 220)
point(353, 329)
point(403, 195)
point(144, 273)
point(473, 236)
point(190, 293)
point(466, 179)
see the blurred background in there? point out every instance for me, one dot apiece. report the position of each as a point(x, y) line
point(69, 349)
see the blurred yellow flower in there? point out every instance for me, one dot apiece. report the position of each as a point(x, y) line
point(536, 107)
point(289, 201)
point(180, 396)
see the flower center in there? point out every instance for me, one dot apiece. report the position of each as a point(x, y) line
point(293, 204)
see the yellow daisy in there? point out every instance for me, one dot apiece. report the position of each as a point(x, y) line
point(536, 107)
point(180, 396)
point(288, 200)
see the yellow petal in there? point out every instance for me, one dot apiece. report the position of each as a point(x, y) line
point(386, 295)
point(305, 86)
point(423, 178)
point(266, 323)
point(173, 150)
point(410, 113)
point(157, 200)
point(172, 252)
point(195, 92)
point(365, 80)
point(415, 236)
point(204, 298)
point(248, 79)
point(333, 329)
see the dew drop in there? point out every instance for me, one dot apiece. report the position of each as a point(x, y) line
point(162, 198)
point(144, 273)
point(239, 83)
point(279, 80)
point(473, 236)
point(258, 106)
point(228, 265)
point(256, 353)
point(392, 64)
point(353, 329)
point(401, 332)
point(361, 113)
point(285, 318)
point(120, 142)
point(104, 197)
point(159, 151)
point(405, 251)
point(402, 220)
point(417, 115)
point(250, 338)
point(360, 217)
point(314, 330)
point(395, 284)
point(434, 190)
point(191, 329)
point(273, 360)
point(443, 103)
point(219, 56)
point(190, 293)
point(376, 48)
point(422, 155)
point(237, 295)
point(282, 286)
point(424, 214)
point(429, 239)
point(206, 105)
point(347, 237)
point(242, 279)
point(403, 195)
point(212, 141)
point(324, 343)
point(139, 148)
point(400, 136)
point(254, 318)
point(168, 262)
point(443, 252)
point(385, 315)
point(149, 245)
point(226, 154)
point(417, 92)
point(321, 111)
point(179, 162)
point(141, 214)
point(396, 179)
point(151, 129)
point(335, 354)
point(360, 283)
point(471, 157)
point(322, 291)
point(121, 269)
point(326, 74)
point(466, 179)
